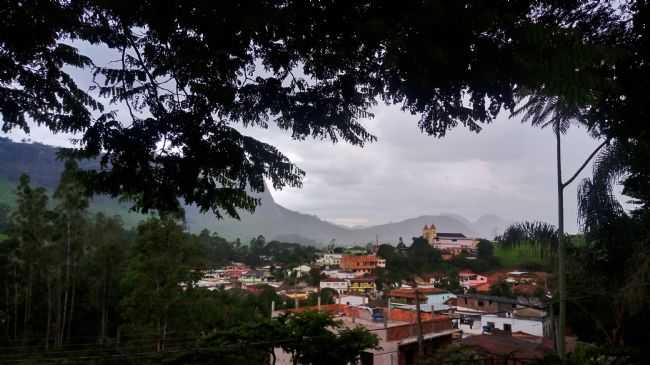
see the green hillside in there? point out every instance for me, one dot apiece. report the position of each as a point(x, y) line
point(7, 195)
point(104, 205)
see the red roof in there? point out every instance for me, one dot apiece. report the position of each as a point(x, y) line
point(483, 288)
point(363, 279)
point(502, 345)
point(409, 293)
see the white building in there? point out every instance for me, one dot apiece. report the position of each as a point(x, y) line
point(527, 320)
point(340, 285)
point(353, 299)
point(330, 259)
point(338, 274)
point(301, 270)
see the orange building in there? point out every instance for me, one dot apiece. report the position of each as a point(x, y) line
point(362, 265)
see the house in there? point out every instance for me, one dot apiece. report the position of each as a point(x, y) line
point(235, 271)
point(298, 293)
point(362, 265)
point(396, 331)
point(486, 303)
point(340, 285)
point(469, 279)
point(531, 321)
point(486, 314)
point(351, 299)
point(253, 277)
point(429, 298)
point(364, 284)
point(448, 243)
point(330, 259)
point(301, 270)
point(338, 274)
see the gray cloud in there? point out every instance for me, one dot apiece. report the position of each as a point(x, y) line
point(508, 169)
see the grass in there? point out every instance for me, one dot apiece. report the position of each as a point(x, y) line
point(515, 257)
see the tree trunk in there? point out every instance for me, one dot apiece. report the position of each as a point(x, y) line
point(57, 306)
point(164, 334)
point(102, 316)
point(561, 249)
point(72, 301)
point(7, 306)
point(15, 302)
point(28, 295)
point(66, 285)
point(49, 314)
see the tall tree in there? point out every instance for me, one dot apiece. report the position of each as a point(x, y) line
point(104, 266)
point(161, 265)
point(72, 201)
point(30, 226)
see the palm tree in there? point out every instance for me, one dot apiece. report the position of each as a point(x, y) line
point(543, 111)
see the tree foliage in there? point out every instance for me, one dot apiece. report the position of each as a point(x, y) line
point(188, 73)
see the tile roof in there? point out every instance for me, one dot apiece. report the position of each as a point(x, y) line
point(503, 345)
point(409, 293)
point(451, 235)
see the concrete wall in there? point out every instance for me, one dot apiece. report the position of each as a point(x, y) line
point(532, 327)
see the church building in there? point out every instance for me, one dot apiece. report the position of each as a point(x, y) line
point(449, 243)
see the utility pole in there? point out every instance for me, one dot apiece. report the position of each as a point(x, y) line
point(419, 322)
point(561, 267)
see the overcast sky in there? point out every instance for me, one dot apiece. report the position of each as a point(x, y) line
point(508, 169)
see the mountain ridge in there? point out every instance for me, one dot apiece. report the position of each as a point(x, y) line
point(270, 219)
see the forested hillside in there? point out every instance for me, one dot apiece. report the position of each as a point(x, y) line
point(270, 219)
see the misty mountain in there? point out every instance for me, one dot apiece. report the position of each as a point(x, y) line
point(270, 219)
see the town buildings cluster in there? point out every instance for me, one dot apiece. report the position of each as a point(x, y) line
point(489, 323)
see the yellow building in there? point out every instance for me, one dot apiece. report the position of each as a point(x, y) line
point(430, 233)
point(363, 285)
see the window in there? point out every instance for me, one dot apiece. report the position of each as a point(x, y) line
point(465, 300)
point(480, 303)
point(507, 327)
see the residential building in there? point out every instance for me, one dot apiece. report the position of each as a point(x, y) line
point(301, 270)
point(253, 277)
point(469, 279)
point(338, 274)
point(235, 271)
point(486, 314)
point(351, 299)
point(486, 303)
point(330, 259)
point(448, 243)
point(430, 298)
point(364, 284)
point(362, 265)
point(397, 332)
point(340, 285)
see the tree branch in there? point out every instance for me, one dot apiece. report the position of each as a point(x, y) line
point(584, 164)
